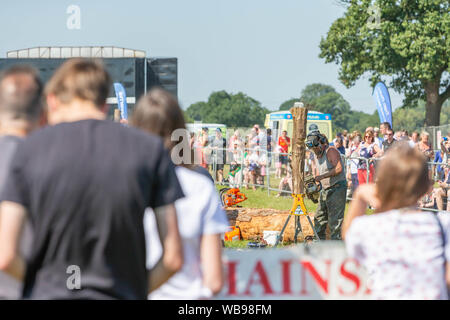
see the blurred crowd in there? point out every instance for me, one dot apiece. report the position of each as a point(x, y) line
point(251, 157)
point(93, 209)
point(364, 151)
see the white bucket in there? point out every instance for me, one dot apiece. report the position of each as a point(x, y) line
point(270, 237)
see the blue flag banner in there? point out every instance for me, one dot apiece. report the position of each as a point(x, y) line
point(121, 100)
point(383, 102)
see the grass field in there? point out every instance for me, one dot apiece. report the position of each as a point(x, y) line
point(259, 199)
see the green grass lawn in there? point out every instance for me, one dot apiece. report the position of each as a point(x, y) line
point(259, 199)
point(237, 244)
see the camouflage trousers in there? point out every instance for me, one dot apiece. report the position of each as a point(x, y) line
point(331, 211)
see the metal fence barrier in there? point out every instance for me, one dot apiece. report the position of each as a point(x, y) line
point(443, 130)
point(258, 168)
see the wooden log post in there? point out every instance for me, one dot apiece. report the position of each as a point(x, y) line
point(299, 115)
point(116, 115)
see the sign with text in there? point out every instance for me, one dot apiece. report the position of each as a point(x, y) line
point(310, 116)
point(383, 102)
point(121, 100)
point(320, 271)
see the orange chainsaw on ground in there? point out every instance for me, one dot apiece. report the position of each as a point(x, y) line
point(231, 196)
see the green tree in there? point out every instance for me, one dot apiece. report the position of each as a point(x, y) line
point(187, 118)
point(233, 110)
point(316, 90)
point(197, 111)
point(410, 119)
point(324, 98)
point(359, 120)
point(445, 113)
point(409, 46)
point(288, 104)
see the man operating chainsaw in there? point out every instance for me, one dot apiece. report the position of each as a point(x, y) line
point(329, 170)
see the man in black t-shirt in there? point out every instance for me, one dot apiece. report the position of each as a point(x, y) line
point(85, 183)
point(386, 144)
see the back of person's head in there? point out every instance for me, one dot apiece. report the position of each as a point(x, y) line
point(387, 125)
point(21, 93)
point(79, 78)
point(402, 177)
point(158, 112)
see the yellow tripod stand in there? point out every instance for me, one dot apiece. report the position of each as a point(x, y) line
point(298, 209)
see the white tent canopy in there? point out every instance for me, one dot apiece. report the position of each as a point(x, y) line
point(72, 52)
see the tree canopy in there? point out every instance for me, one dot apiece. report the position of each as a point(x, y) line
point(288, 104)
point(412, 119)
point(325, 99)
point(233, 110)
point(404, 43)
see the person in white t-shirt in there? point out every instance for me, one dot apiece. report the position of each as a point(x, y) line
point(352, 173)
point(201, 219)
point(405, 251)
point(378, 138)
point(414, 139)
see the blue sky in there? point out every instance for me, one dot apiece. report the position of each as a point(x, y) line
point(265, 48)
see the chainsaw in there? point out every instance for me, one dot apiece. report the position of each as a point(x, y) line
point(312, 188)
point(231, 196)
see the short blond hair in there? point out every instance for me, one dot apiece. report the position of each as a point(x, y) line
point(85, 79)
point(402, 177)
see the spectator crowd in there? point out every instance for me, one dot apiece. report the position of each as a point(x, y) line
point(80, 193)
point(93, 209)
point(251, 158)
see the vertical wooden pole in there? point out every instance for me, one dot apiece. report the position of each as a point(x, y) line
point(299, 115)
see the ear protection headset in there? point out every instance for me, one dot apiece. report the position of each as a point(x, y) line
point(317, 139)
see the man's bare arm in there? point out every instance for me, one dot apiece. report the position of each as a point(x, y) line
point(447, 274)
point(314, 169)
point(365, 194)
point(12, 218)
point(211, 260)
point(171, 260)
